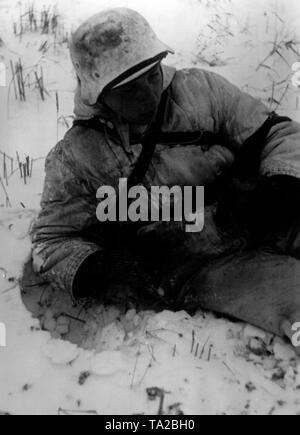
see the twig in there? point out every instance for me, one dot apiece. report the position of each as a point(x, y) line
point(193, 341)
point(150, 334)
point(282, 57)
point(174, 351)
point(228, 368)
point(151, 351)
point(5, 170)
point(19, 163)
point(135, 368)
point(40, 86)
point(21, 80)
point(28, 166)
point(57, 113)
point(231, 371)
point(149, 366)
point(13, 78)
point(4, 292)
point(57, 102)
point(282, 97)
point(265, 60)
point(161, 403)
point(62, 411)
point(203, 348)
point(31, 168)
point(73, 318)
point(272, 97)
point(209, 352)
point(2, 153)
point(8, 203)
point(25, 172)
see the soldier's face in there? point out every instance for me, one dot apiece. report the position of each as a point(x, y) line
point(137, 101)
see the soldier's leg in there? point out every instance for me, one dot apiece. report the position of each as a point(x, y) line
point(260, 288)
point(259, 285)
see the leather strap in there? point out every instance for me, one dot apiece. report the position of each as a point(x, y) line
point(247, 160)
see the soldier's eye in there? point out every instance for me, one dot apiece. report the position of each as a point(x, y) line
point(96, 75)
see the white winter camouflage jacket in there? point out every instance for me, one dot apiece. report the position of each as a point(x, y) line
point(87, 158)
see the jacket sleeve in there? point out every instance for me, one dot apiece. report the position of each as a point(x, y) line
point(68, 208)
point(238, 116)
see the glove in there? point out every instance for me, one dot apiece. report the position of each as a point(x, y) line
point(91, 277)
point(259, 210)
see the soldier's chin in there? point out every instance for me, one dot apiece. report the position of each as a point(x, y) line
point(90, 101)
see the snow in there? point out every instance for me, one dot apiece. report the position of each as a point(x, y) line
point(231, 368)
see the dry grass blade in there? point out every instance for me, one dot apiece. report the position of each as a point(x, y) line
point(8, 203)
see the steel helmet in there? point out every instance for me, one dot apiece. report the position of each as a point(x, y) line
point(111, 45)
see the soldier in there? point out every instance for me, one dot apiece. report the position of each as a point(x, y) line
point(157, 126)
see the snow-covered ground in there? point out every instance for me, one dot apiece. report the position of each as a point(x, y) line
point(231, 368)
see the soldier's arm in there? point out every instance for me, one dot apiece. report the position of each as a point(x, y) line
point(266, 146)
point(250, 129)
point(61, 254)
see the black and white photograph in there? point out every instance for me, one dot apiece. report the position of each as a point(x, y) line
point(149, 210)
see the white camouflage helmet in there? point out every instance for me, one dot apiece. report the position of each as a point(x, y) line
point(113, 45)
